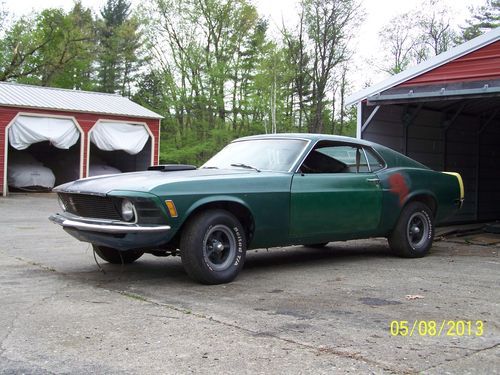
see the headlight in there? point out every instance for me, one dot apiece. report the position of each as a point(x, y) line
point(61, 203)
point(128, 211)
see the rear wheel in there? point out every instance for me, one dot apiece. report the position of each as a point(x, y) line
point(114, 256)
point(412, 237)
point(213, 247)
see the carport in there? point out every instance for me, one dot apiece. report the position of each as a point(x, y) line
point(445, 113)
point(72, 134)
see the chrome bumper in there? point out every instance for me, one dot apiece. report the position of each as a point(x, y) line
point(106, 226)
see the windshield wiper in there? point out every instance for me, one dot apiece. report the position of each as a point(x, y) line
point(209, 167)
point(241, 165)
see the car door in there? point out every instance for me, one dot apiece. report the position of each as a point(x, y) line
point(335, 193)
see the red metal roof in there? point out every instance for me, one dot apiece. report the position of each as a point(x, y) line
point(481, 64)
point(476, 60)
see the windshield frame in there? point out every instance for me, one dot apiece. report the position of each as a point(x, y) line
point(257, 138)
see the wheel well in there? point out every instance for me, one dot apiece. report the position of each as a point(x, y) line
point(426, 199)
point(242, 213)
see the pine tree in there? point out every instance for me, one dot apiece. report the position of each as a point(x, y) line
point(484, 18)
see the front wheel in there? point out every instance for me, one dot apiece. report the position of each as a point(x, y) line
point(213, 247)
point(412, 237)
point(114, 256)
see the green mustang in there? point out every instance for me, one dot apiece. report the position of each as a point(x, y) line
point(261, 191)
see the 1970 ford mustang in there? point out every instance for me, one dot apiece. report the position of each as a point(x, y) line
point(261, 191)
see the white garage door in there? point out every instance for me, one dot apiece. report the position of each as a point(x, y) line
point(26, 130)
point(114, 136)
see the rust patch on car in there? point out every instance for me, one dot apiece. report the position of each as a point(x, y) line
point(398, 185)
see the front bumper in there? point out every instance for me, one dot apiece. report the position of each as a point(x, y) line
point(115, 234)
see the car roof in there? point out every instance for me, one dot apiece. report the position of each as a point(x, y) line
point(392, 158)
point(309, 137)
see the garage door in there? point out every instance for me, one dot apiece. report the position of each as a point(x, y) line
point(42, 152)
point(119, 147)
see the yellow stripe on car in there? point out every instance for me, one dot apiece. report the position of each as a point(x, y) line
point(460, 183)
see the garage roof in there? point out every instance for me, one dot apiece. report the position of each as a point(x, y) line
point(17, 95)
point(430, 64)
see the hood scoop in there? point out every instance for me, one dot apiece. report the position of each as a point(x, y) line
point(172, 167)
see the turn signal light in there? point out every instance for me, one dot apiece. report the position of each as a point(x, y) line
point(171, 208)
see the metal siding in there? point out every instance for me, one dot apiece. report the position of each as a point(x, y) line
point(480, 64)
point(489, 176)
point(385, 128)
point(25, 96)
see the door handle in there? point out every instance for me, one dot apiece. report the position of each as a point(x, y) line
point(375, 180)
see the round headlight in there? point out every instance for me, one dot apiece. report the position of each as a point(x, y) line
point(61, 203)
point(127, 210)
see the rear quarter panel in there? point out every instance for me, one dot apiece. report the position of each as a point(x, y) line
point(402, 185)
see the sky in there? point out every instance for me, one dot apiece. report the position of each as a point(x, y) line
point(366, 45)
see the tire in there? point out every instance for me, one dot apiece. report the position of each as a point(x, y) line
point(317, 245)
point(114, 256)
point(213, 247)
point(414, 232)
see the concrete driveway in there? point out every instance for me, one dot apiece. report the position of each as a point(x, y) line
point(292, 310)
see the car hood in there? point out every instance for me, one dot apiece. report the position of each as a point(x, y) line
point(147, 180)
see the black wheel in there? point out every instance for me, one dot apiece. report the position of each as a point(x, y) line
point(213, 247)
point(317, 245)
point(114, 256)
point(412, 237)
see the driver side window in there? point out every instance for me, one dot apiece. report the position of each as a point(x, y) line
point(331, 157)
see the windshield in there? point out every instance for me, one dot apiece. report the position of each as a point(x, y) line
point(276, 155)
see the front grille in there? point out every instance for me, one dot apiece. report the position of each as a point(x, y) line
point(90, 206)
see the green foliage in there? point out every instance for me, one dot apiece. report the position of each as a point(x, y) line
point(209, 67)
point(120, 40)
point(483, 19)
point(50, 48)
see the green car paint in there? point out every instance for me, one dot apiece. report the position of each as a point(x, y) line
point(283, 207)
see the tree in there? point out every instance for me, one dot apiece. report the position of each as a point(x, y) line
point(329, 26)
point(435, 31)
point(398, 38)
point(48, 48)
point(207, 54)
point(74, 56)
point(414, 36)
point(483, 19)
point(300, 64)
point(119, 47)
